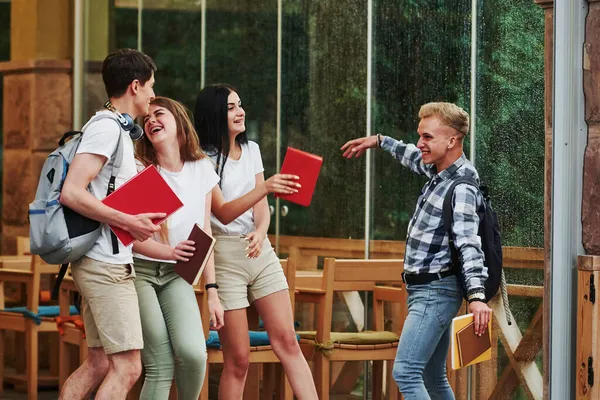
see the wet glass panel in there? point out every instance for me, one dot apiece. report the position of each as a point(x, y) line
point(324, 82)
point(171, 36)
point(421, 54)
point(241, 50)
point(510, 160)
point(323, 104)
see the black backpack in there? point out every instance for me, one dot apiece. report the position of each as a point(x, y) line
point(489, 232)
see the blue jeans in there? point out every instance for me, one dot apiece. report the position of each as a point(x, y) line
point(173, 337)
point(420, 365)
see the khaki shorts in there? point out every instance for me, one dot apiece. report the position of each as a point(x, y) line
point(243, 280)
point(109, 305)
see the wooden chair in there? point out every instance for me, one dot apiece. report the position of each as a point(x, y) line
point(71, 333)
point(376, 346)
point(27, 270)
point(23, 245)
point(274, 380)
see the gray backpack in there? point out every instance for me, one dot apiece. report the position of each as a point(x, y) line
point(58, 234)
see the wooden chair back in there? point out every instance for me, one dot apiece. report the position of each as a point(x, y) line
point(20, 270)
point(352, 275)
point(289, 270)
point(23, 247)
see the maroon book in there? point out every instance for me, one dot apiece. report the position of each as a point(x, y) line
point(192, 269)
point(471, 346)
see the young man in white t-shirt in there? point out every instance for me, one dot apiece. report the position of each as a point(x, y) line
point(105, 276)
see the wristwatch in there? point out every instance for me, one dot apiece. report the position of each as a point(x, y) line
point(211, 285)
point(379, 139)
point(476, 296)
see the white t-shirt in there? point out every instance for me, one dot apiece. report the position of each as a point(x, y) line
point(101, 137)
point(239, 177)
point(195, 180)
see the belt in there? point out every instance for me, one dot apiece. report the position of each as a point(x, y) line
point(421, 279)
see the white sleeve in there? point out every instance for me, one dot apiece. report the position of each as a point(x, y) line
point(100, 137)
point(256, 157)
point(209, 175)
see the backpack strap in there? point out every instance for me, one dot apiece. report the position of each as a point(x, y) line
point(448, 217)
point(116, 167)
point(118, 158)
point(58, 281)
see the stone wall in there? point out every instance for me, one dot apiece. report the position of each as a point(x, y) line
point(37, 110)
point(590, 215)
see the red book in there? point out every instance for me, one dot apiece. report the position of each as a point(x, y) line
point(192, 269)
point(147, 192)
point(305, 165)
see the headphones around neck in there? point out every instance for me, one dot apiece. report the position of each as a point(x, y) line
point(127, 124)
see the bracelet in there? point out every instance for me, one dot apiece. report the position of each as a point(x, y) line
point(211, 285)
point(378, 140)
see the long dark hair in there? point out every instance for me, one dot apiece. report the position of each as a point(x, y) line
point(210, 119)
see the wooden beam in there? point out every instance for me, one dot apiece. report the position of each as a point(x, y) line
point(525, 290)
point(505, 385)
point(510, 335)
point(526, 351)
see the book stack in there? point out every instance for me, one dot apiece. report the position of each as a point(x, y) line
point(466, 347)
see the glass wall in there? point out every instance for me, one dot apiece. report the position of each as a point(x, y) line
point(324, 63)
point(413, 64)
point(510, 154)
point(302, 73)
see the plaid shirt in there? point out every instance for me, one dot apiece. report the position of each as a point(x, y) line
point(427, 246)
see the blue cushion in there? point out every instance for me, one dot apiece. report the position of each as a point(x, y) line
point(43, 311)
point(257, 338)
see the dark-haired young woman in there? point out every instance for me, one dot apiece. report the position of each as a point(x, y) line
point(246, 266)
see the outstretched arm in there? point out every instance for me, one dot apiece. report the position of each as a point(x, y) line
point(227, 212)
point(408, 154)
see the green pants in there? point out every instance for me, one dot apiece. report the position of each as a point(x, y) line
point(174, 342)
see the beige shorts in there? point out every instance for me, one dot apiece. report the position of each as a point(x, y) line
point(242, 280)
point(109, 305)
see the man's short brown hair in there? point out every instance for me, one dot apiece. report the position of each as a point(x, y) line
point(450, 114)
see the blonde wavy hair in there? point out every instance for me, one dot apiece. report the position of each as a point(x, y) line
point(450, 114)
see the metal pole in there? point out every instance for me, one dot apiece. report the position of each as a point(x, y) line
point(473, 112)
point(139, 27)
point(203, 44)
point(568, 146)
point(278, 117)
point(473, 133)
point(368, 172)
point(78, 39)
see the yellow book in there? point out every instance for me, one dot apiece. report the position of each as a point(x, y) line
point(466, 347)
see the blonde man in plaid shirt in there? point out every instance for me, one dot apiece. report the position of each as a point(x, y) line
point(434, 292)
